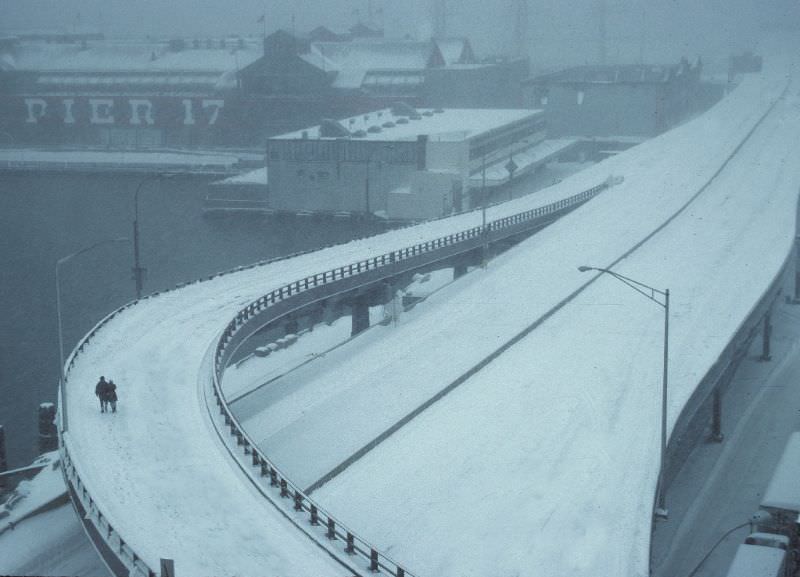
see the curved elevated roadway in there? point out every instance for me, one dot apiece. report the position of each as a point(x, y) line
point(159, 475)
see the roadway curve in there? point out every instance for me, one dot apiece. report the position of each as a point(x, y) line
point(157, 471)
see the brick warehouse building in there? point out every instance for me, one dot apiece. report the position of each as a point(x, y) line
point(231, 92)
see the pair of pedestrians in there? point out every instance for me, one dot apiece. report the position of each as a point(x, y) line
point(106, 391)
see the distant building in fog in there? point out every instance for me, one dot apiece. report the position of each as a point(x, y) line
point(607, 101)
point(198, 92)
point(399, 162)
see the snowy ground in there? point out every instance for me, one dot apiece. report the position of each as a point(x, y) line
point(459, 491)
point(545, 462)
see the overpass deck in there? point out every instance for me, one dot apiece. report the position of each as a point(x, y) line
point(548, 456)
point(160, 475)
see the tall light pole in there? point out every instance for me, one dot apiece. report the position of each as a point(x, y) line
point(653, 294)
point(138, 270)
point(61, 373)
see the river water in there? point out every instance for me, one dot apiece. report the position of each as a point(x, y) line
point(45, 216)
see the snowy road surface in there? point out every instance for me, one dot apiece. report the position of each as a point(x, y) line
point(545, 459)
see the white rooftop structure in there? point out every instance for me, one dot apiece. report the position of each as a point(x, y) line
point(150, 57)
point(451, 124)
point(783, 491)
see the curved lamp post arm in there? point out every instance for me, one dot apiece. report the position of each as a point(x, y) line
point(640, 287)
point(61, 371)
point(651, 293)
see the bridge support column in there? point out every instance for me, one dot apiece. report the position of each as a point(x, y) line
point(360, 314)
point(3, 462)
point(48, 440)
point(291, 326)
point(716, 435)
point(796, 299)
point(765, 337)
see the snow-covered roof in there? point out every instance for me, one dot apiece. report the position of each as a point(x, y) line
point(127, 56)
point(449, 124)
point(756, 561)
point(352, 60)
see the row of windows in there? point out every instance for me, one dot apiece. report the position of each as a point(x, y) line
point(342, 151)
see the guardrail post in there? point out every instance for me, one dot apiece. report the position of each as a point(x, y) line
point(314, 515)
point(373, 560)
point(350, 549)
point(298, 501)
point(401, 572)
point(331, 534)
point(284, 488)
point(3, 462)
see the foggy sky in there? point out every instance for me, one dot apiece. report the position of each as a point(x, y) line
point(560, 30)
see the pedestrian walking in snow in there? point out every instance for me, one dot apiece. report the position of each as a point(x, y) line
point(111, 395)
point(101, 391)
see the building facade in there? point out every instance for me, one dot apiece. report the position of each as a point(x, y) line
point(230, 92)
point(396, 162)
point(610, 101)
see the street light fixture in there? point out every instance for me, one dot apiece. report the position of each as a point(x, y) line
point(138, 270)
point(654, 295)
point(61, 372)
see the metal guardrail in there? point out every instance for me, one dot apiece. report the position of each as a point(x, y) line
point(335, 530)
point(131, 561)
point(133, 564)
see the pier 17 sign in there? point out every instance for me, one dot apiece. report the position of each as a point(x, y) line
point(122, 111)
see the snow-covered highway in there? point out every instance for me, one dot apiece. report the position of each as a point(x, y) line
point(545, 460)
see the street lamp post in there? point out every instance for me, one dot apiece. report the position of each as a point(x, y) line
point(652, 294)
point(61, 373)
point(138, 270)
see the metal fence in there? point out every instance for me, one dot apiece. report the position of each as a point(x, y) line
point(330, 526)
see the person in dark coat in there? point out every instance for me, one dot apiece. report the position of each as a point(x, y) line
point(101, 391)
point(111, 396)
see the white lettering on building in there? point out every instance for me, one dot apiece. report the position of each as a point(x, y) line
point(101, 111)
point(69, 118)
point(36, 109)
point(188, 116)
point(216, 105)
point(141, 104)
